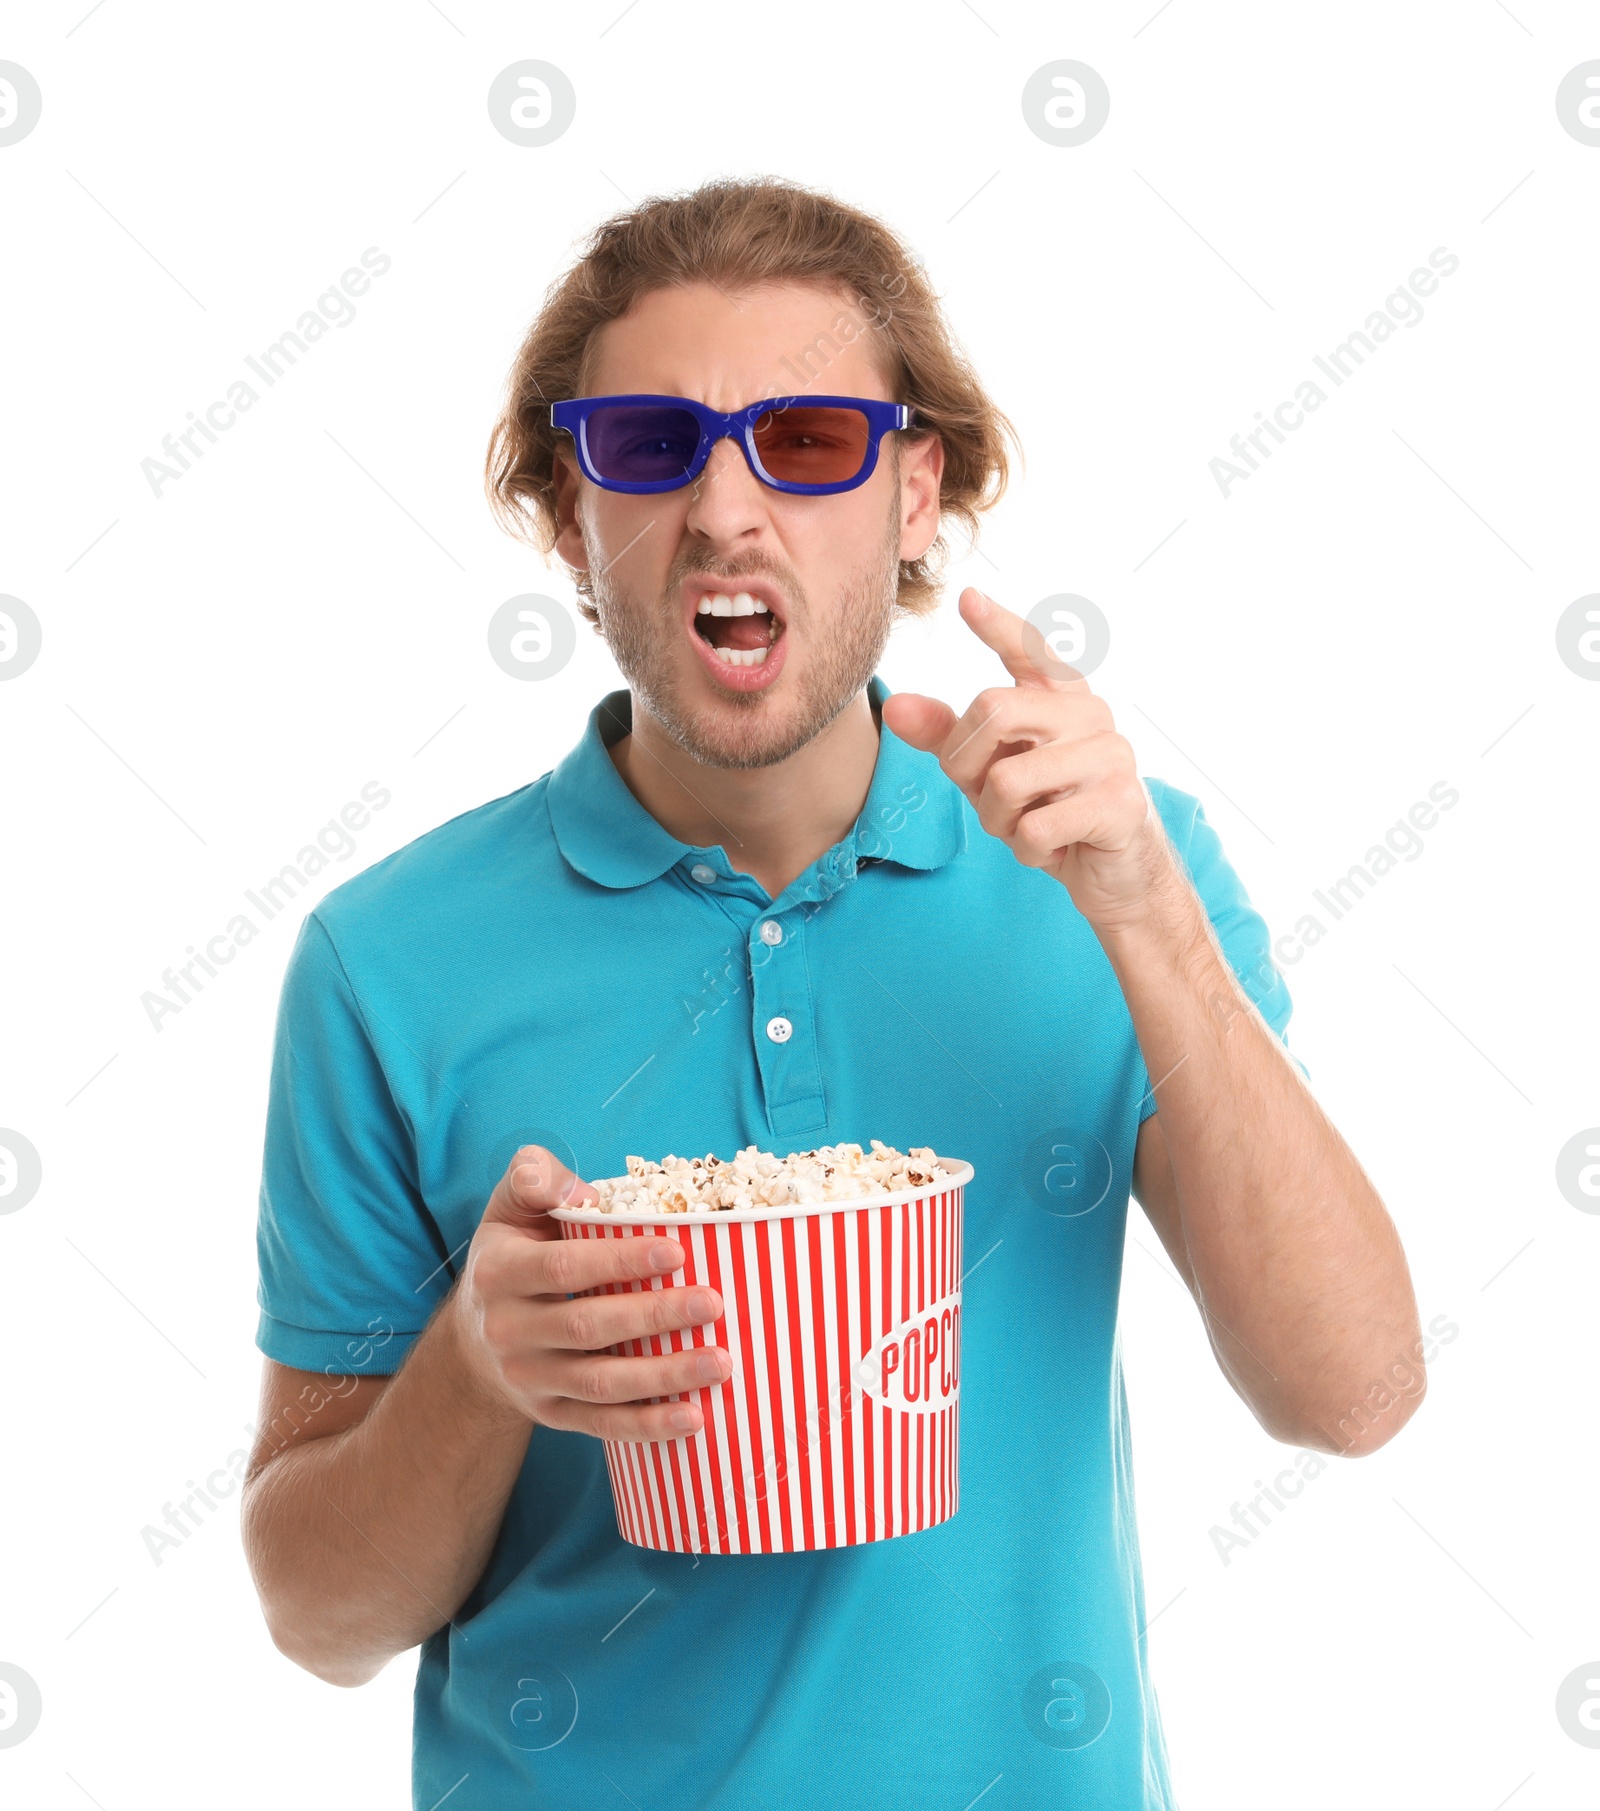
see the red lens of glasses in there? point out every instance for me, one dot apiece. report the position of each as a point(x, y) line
point(806, 445)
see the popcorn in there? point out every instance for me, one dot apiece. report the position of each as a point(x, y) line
point(757, 1178)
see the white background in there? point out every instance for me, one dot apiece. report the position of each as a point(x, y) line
point(1374, 611)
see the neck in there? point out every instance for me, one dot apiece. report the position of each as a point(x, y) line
point(772, 822)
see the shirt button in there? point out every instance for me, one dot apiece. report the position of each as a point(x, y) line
point(703, 874)
point(779, 1030)
point(771, 931)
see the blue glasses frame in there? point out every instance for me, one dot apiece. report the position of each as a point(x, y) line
point(882, 418)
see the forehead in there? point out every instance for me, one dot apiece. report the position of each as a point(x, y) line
point(727, 348)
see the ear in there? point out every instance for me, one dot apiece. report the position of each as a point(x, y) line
point(567, 481)
point(921, 473)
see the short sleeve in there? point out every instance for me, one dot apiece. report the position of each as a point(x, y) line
point(352, 1263)
point(1239, 927)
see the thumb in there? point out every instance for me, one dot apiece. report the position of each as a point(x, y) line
point(535, 1181)
point(923, 722)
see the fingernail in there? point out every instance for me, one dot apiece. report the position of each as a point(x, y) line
point(709, 1364)
point(665, 1257)
point(683, 1418)
point(700, 1306)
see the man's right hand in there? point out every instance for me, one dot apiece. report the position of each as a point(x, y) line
point(545, 1355)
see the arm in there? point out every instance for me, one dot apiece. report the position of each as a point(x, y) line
point(371, 1505)
point(1295, 1264)
point(1290, 1254)
point(359, 1550)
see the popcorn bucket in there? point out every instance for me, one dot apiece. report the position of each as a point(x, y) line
point(840, 1422)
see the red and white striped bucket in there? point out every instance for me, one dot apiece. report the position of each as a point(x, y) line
point(841, 1420)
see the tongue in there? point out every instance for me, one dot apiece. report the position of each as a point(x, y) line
point(738, 631)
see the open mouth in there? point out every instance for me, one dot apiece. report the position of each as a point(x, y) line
point(740, 628)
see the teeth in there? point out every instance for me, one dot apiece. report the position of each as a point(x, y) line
point(741, 604)
point(741, 657)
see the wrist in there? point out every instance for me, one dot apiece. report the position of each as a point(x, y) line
point(474, 1376)
point(1162, 912)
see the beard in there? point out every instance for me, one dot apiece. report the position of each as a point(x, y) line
point(839, 652)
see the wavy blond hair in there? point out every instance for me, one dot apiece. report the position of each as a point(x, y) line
point(738, 233)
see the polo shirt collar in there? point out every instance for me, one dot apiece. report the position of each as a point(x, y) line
point(912, 813)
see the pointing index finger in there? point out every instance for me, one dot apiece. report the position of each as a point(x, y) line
point(1024, 651)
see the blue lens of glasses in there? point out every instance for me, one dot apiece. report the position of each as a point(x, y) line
point(642, 443)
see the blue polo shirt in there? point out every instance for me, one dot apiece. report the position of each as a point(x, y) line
point(555, 968)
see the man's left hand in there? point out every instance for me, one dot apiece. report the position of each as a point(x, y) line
point(1046, 771)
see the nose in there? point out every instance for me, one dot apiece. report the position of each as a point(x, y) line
point(729, 500)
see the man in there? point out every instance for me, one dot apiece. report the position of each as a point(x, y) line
point(767, 901)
